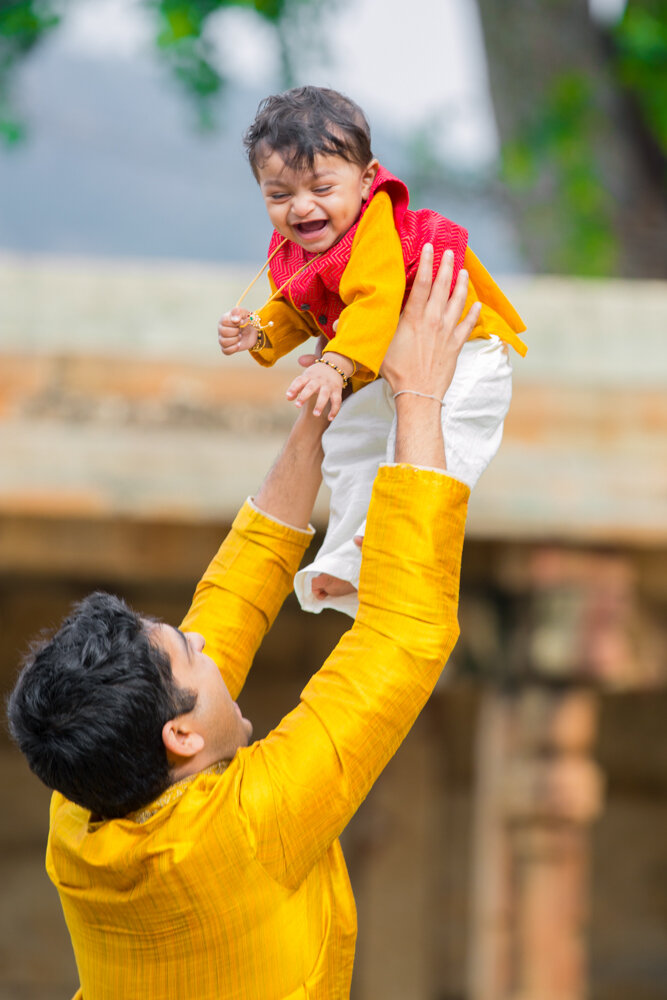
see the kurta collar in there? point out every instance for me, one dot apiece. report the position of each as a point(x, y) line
point(174, 792)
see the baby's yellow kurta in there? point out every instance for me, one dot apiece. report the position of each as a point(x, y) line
point(372, 289)
point(232, 886)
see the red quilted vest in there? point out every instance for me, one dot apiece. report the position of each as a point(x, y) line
point(316, 289)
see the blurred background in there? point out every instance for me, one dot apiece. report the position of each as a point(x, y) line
point(515, 847)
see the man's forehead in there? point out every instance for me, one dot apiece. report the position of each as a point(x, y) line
point(152, 628)
point(169, 639)
point(160, 633)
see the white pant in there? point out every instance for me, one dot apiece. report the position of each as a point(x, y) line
point(363, 435)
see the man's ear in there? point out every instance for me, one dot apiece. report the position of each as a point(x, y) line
point(368, 177)
point(180, 740)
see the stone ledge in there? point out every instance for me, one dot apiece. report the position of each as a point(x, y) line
point(115, 403)
point(142, 439)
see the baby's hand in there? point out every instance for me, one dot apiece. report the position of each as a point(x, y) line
point(235, 333)
point(323, 380)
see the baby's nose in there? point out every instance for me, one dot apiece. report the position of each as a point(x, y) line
point(302, 204)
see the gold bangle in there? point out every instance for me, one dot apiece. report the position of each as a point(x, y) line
point(323, 361)
point(261, 342)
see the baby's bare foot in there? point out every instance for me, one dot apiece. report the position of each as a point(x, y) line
point(324, 585)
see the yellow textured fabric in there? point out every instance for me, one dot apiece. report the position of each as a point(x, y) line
point(498, 315)
point(372, 288)
point(290, 327)
point(234, 886)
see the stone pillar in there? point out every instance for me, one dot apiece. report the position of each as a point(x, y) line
point(553, 793)
point(538, 788)
point(538, 792)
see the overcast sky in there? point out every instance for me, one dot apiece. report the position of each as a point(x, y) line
point(442, 76)
point(407, 64)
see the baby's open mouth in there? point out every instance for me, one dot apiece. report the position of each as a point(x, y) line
point(310, 228)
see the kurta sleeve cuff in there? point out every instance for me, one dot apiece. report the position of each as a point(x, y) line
point(307, 533)
point(423, 468)
point(252, 521)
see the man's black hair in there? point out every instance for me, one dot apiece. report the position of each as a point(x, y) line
point(89, 707)
point(304, 122)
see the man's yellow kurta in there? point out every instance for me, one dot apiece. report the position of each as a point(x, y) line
point(232, 886)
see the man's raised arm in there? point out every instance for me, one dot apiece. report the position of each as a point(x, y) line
point(245, 585)
point(290, 489)
point(308, 777)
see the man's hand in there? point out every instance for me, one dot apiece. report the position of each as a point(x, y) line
point(235, 333)
point(421, 359)
point(423, 353)
point(306, 360)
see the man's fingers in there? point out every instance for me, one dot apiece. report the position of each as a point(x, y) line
point(459, 295)
point(443, 280)
point(422, 284)
point(467, 324)
point(306, 360)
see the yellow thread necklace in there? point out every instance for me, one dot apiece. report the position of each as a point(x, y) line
point(254, 318)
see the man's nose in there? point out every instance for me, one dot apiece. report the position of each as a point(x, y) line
point(198, 640)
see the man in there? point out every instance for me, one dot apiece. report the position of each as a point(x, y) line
point(189, 863)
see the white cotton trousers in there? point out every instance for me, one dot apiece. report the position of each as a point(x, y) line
point(363, 436)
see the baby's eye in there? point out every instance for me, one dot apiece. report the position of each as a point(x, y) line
point(323, 190)
point(278, 196)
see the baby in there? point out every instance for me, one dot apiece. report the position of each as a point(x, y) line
point(342, 259)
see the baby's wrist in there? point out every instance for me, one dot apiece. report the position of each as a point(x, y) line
point(341, 361)
point(332, 366)
point(261, 341)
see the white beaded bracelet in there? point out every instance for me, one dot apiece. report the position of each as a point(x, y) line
point(426, 395)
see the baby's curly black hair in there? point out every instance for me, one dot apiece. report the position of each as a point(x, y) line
point(304, 122)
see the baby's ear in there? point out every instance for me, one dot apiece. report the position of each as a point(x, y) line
point(368, 177)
